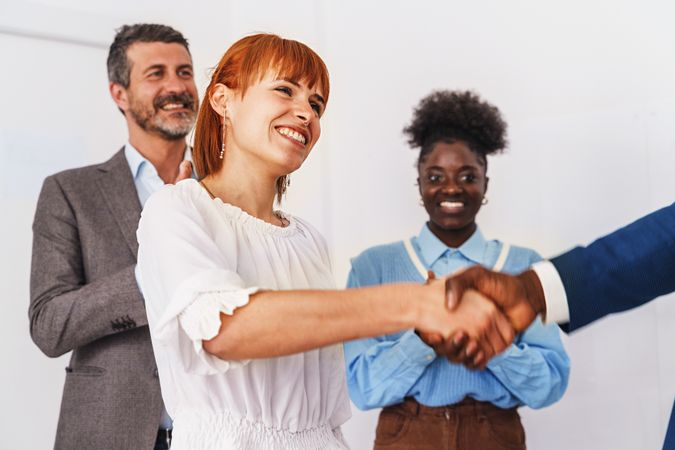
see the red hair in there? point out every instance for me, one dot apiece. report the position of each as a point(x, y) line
point(246, 62)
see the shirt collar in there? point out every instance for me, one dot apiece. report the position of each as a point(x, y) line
point(137, 161)
point(433, 248)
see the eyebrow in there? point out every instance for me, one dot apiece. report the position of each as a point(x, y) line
point(163, 66)
point(296, 84)
point(154, 67)
point(464, 167)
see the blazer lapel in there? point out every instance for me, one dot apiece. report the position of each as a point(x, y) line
point(119, 193)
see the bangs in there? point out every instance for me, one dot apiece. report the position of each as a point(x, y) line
point(290, 59)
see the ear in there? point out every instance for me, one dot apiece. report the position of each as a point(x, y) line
point(220, 99)
point(119, 95)
point(487, 179)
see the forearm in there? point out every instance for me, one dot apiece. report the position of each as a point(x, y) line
point(536, 369)
point(382, 372)
point(64, 317)
point(276, 323)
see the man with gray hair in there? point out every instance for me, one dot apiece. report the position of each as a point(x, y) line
point(84, 295)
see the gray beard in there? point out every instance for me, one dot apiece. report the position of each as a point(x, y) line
point(150, 122)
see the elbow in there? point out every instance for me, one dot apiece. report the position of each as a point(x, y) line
point(47, 345)
point(557, 388)
point(364, 398)
point(360, 400)
point(47, 341)
point(226, 346)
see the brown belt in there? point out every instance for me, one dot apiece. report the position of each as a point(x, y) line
point(468, 406)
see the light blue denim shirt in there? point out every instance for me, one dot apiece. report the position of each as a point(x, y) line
point(382, 371)
point(147, 182)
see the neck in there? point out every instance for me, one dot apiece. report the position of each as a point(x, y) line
point(245, 185)
point(452, 238)
point(165, 155)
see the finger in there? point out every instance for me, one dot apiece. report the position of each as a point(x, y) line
point(454, 347)
point(453, 293)
point(478, 362)
point(432, 339)
point(184, 171)
point(472, 352)
point(494, 337)
point(505, 329)
point(485, 340)
point(431, 275)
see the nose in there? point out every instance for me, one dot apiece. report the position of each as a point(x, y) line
point(176, 84)
point(303, 111)
point(451, 186)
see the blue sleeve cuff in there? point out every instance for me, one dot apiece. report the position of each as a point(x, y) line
point(415, 350)
point(499, 359)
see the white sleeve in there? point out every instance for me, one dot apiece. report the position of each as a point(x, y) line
point(557, 310)
point(186, 279)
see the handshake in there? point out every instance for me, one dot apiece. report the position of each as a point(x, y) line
point(487, 309)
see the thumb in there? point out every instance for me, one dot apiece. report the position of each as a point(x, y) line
point(453, 294)
point(184, 171)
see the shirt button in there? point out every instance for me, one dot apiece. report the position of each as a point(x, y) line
point(430, 357)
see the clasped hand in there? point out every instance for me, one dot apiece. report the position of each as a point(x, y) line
point(478, 328)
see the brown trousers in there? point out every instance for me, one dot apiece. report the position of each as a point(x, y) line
point(468, 425)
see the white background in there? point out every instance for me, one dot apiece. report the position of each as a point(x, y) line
point(588, 90)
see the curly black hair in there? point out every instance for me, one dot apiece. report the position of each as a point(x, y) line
point(450, 116)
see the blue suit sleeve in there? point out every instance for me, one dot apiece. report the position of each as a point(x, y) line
point(620, 271)
point(381, 371)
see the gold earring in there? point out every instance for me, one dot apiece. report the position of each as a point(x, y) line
point(222, 143)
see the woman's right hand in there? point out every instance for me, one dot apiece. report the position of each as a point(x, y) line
point(476, 327)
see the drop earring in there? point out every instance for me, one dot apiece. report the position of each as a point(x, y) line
point(221, 155)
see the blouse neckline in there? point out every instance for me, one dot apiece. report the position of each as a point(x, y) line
point(237, 214)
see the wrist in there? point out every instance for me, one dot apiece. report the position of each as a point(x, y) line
point(534, 292)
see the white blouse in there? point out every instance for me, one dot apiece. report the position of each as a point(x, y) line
point(198, 257)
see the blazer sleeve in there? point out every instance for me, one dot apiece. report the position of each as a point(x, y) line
point(65, 310)
point(620, 271)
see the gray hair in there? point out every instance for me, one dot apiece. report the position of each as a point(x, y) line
point(118, 63)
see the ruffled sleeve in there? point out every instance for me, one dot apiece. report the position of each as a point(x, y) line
point(185, 279)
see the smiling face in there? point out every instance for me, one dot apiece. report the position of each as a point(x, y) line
point(161, 98)
point(452, 182)
point(276, 122)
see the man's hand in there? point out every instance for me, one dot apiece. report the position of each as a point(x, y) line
point(472, 333)
point(459, 347)
point(184, 171)
point(521, 297)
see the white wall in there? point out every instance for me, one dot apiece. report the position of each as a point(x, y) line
point(587, 89)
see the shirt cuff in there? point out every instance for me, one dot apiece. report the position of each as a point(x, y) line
point(557, 309)
point(414, 348)
point(496, 361)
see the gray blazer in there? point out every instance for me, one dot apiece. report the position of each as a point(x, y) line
point(84, 298)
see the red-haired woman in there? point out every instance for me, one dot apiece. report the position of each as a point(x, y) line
point(243, 326)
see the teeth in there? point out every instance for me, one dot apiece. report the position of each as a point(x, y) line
point(292, 134)
point(447, 204)
point(170, 106)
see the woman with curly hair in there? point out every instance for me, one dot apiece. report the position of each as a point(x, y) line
point(429, 402)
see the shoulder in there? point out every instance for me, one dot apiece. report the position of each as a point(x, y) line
point(82, 177)
point(520, 258)
point(171, 197)
point(309, 232)
point(379, 255)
